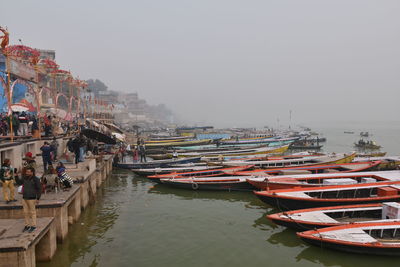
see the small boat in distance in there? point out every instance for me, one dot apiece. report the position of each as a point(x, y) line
point(348, 132)
point(367, 145)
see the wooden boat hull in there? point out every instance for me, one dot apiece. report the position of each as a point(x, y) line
point(216, 186)
point(354, 245)
point(156, 164)
point(295, 204)
point(368, 155)
point(268, 164)
point(285, 219)
point(353, 248)
point(296, 147)
point(259, 141)
point(236, 153)
point(179, 143)
point(276, 182)
point(160, 171)
point(199, 174)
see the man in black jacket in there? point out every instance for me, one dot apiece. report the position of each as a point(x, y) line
point(31, 192)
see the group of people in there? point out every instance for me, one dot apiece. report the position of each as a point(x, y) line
point(138, 152)
point(26, 123)
point(22, 124)
point(80, 145)
point(30, 186)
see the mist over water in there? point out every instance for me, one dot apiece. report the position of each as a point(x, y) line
point(229, 62)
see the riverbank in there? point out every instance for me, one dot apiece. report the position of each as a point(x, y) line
point(61, 208)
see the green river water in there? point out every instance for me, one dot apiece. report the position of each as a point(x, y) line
point(134, 222)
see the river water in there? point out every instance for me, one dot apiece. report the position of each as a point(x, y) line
point(134, 222)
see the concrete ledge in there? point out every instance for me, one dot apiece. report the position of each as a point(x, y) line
point(22, 249)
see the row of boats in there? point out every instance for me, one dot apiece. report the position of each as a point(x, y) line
point(338, 201)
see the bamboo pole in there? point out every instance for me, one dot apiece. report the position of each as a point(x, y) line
point(8, 87)
point(38, 92)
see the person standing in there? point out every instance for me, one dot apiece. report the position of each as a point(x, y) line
point(35, 128)
point(54, 145)
point(76, 145)
point(23, 124)
point(29, 162)
point(135, 154)
point(30, 198)
point(7, 179)
point(15, 123)
point(82, 147)
point(54, 126)
point(46, 155)
point(142, 153)
point(47, 125)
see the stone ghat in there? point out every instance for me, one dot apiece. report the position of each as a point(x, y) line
point(55, 211)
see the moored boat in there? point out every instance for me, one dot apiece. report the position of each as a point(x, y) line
point(314, 169)
point(179, 143)
point(218, 155)
point(302, 161)
point(170, 138)
point(201, 173)
point(159, 171)
point(387, 163)
point(231, 183)
point(310, 197)
point(377, 238)
point(315, 180)
point(156, 163)
point(259, 141)
point(306, 219)
point(372, 154)
point(212, 150)
point(367, 145)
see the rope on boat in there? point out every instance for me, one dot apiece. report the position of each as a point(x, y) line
point(303, 226)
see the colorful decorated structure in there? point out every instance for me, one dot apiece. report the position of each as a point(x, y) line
point(32, 82)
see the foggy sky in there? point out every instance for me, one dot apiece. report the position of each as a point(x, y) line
point(228, 62)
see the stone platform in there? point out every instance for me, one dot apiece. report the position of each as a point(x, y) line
point(62, 208)
point(23, 249)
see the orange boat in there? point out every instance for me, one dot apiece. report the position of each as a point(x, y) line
point(197, 174)
point(306, 219)
point(335, 195)
point(289, 181)
point(378, 238)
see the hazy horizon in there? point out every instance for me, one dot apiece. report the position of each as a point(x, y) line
point(229, 63)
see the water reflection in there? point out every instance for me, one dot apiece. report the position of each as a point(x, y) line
point(263, 223)
point(328, 257)
point(91, 228)
point(246, 197)
point(286, 237)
